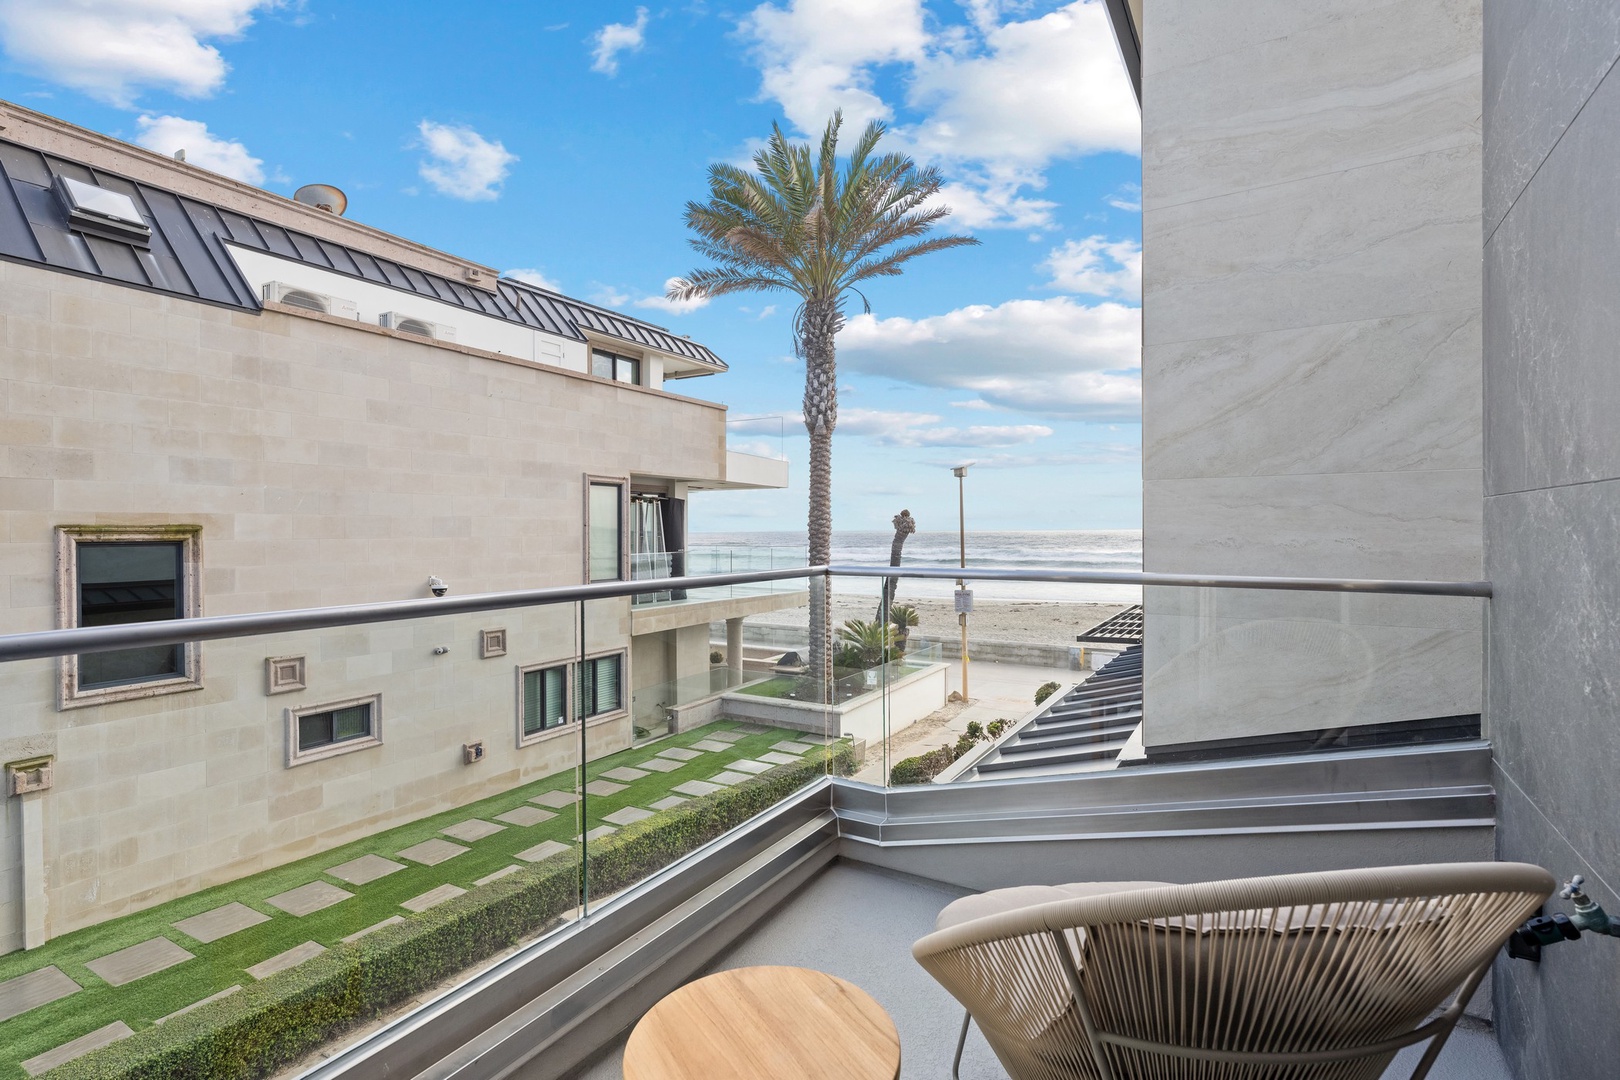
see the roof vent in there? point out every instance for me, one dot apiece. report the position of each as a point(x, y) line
point(96, 211)
point(279, 292)
point(410, 324)
point(322, 197)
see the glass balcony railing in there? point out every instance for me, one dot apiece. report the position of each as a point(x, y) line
point(376, 799)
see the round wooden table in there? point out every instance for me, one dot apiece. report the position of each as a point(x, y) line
point(755, 1022)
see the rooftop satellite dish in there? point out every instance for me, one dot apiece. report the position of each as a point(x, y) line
point(322, 197)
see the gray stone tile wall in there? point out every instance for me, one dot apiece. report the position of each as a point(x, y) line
point(1552, 505)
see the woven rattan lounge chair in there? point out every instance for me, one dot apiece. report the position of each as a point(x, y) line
point(1302, 977)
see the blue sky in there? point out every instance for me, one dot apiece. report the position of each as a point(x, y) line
point(563, 140)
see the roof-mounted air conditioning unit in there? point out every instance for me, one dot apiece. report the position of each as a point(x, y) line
point(410, 324)
point(279, 292)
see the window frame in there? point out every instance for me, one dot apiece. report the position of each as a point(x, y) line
point(624, 684)
point(623, 484)
point(637, 366)
point(297, 756)
point(566, 666)
point(68, 540)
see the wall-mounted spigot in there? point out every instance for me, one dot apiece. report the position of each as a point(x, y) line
point(1589, 915)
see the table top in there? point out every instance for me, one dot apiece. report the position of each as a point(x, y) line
point(752, 1022)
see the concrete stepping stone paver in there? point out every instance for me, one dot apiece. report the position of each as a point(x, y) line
point(392, 920)
point(525, 816)
point(628, 815)
point(728, 778)
point(433, 898)
point(294, 956)
point(668, 802)
point(556, 799)
point(776, 757)
point(748, 766)
point(432, 852)
point(662, 764)
point(138, 961)
point(624, 773)
point(680, 753)
point(497, 875)
point(365, 869)
point(221, 922)
point(79, 1047)
point(225, 993)
point(710, 744)
point(308, 899)
point(791, 747)
point(599, 832)
point(38, 987)
point(473, 830)
point(727, 736)
point(604, 787)
point(542, 851)
point(696, 787)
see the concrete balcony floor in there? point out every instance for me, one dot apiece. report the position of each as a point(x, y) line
point(859, 924)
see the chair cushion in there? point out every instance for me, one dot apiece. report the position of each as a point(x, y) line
point(997, 901)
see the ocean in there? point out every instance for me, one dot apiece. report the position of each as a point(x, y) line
point(1119, 549)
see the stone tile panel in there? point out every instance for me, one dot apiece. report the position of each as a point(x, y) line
point(663, 765)
point(365, 869)
point(433, 898)
point(604, 787)
point(220, 922)
point(472, 830)
point(681, 753)
point(669, 802)
point(710, 744)
point(541, 851)
point(392, 920)
point(525, 816)
point(138, 961)
point(432, 852)
point(696, 787)
point(624, 773)
point(79, 1047)
point(556, 799)
point(308, 899)
point(289, 959)
point(30, 991)
point(628, 815)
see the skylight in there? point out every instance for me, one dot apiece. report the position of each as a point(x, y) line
point(100, 212)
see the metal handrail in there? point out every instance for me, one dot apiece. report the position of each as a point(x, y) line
point(1195, 581)
point(45, 643)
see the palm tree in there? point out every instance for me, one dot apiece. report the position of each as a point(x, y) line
point(799, 224)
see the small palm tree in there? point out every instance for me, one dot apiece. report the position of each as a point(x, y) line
point(800, 224)
point(902, 617)
point(869, 643)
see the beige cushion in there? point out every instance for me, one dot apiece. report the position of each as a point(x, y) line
point(997, 901)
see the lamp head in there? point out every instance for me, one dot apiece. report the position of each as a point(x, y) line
point(960, 470)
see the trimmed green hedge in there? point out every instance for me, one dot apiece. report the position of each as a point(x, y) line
point(922, 768)
point(1045, 691)
point(273, 1023)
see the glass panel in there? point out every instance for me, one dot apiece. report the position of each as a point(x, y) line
point(351, 723)
point(602, 365)
point(314, 730)
point(129, 583)
point(627, 370)
point(606, 528)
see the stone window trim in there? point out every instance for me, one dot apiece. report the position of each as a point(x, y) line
point(296, 757)
point(570, 666)
point(623, 482)
point(68, 539)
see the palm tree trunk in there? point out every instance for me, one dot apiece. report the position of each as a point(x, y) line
point(820, 325)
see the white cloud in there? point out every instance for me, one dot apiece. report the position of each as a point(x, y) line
point(999, 101)
point(1054, 357)
point(911, 429)
point(817, 55)
point(112, 49)
point(1041, 89)
point(1105, 454)
point(673, 307)
point(1097, 266)
point(615, 38)
point(462, 163)
point(1128, 197)
point(530, 276)
point(166, 134)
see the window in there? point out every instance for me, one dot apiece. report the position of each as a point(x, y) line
point(542, 700)
point(322, 731)
point(117, 576)
point(606, 365)
point(604, 518)
point(600, 685)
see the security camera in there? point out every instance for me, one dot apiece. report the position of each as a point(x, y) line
point(439, 587)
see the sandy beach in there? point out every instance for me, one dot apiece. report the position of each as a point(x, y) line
point(1038, 622)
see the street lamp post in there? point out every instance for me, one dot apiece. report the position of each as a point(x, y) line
point(964, 599)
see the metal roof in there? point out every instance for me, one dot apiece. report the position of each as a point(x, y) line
point(188, 256)
point(1122, 629)
point(1083, 730)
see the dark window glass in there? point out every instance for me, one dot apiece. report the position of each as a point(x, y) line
point(334, 726)
point(130, 582)
point(544, 698)
point(599, 686)
point(625, 369)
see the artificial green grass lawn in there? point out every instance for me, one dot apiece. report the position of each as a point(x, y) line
point(223, 963)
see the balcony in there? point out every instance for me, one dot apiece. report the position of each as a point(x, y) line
point(520, 909)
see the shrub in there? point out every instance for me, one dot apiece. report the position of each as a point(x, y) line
point(922, 768)
point(975, 730)
point(996, 728)
point(963, 744)
point(1046, 690)
point(716, 656)
point(272, 1023)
